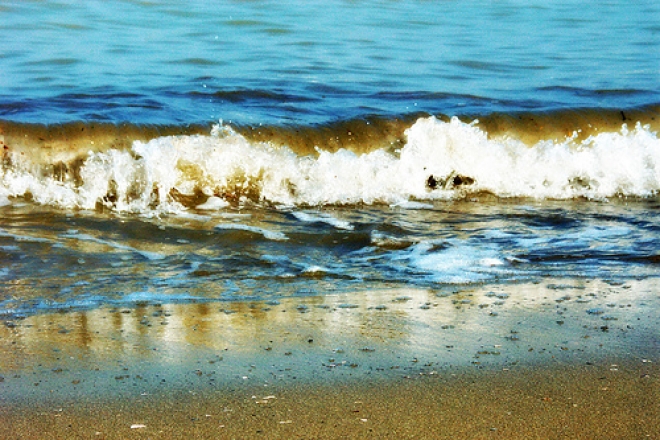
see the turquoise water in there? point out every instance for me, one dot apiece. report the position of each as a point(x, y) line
point(313, 62)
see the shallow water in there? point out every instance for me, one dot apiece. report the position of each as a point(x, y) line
point(58, 261)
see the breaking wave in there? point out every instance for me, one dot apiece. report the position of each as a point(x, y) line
point(395, 161)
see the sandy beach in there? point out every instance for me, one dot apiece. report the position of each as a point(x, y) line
point(546, 360)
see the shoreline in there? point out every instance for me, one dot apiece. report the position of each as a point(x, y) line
point(550, 360)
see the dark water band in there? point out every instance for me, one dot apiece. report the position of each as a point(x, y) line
point(360, 135)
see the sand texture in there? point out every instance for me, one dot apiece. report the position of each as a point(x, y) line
point(548, 360)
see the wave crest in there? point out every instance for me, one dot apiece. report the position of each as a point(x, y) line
point(437, 160)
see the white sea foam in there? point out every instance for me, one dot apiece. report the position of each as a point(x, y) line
point(440, 160)
point(455, 262)
point(626, 163)
point(323, 218)
point(311, 270)
point(213, 204)
point(411, 204)
point(234, 216)
point(270, 235)
point(195, 217)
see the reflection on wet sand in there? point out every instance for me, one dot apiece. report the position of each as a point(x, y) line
point(508, 357)
point(449, 326)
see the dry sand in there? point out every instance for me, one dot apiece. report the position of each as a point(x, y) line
point(548, 360)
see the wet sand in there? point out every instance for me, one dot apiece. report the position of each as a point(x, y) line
point(557, 359)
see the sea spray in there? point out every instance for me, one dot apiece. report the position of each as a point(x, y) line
point(440, 160)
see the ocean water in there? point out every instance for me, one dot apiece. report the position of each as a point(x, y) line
point(164, 152)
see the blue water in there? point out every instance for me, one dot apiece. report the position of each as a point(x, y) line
point(312, 62)
point(354, 183)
